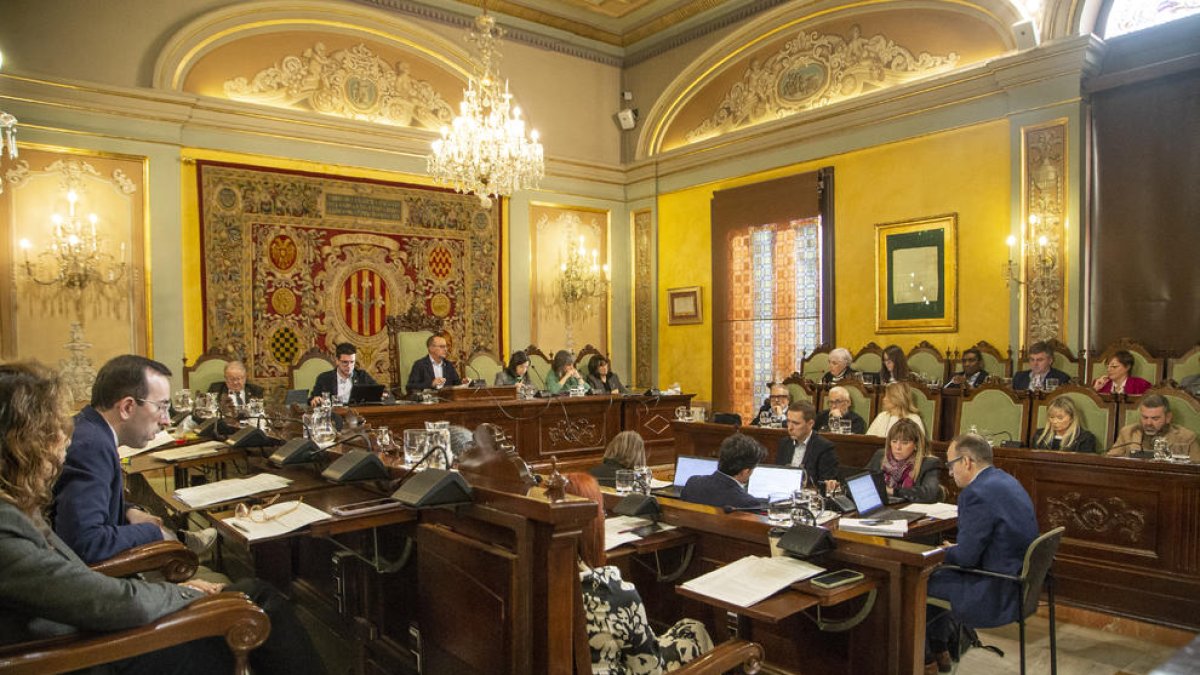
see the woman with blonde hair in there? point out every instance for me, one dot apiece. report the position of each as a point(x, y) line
point(1064, 430)
point(626, 450)
point(908, 472)
point(619, 633)
point(897, 405)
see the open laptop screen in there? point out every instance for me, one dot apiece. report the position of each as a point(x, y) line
point(767, 478)
point(687, 466)
point(864, 493)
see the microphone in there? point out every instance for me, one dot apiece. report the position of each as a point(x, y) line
point(1127, 444)
point(478, 377)
point(731, 509)
point(413, 469)
point(535, 371)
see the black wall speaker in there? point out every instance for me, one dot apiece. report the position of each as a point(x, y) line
point(434, 487)
point(355, 465)
point(295, 451)
point(252, 437)
point(806, 541)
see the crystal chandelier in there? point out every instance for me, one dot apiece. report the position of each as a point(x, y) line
point(485, 151)
point(8, 133)
point(75, 258)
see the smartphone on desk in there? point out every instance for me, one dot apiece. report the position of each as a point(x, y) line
point(369, 506)
point(836, 578)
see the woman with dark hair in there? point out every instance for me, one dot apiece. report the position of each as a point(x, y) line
point(1118, 379)
point(601, 378)
point(895, 366)
point(619, 633)
point(563, 374)
point(47, 591)
point(516, 371)
point(908, 472)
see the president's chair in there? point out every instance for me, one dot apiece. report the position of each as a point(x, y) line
point(1035, 574)
point(208, 369)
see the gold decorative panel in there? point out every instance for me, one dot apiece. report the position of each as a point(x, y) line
point(643, 298)
point(1044, 205)
point(555, 324)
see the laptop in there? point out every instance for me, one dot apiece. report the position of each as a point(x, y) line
point(768, 478)
point(845, 473)
point(366, 393)
point(868, 500)
point(686, 466)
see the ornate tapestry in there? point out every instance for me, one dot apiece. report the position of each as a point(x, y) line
point(294, 261)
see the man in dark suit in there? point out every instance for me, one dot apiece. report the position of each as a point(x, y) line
point(806, 449)
point(727, 485)
point(1041, 362)
point(840, 408)
point(996, 524)
point(972, 374)
point(337, 383)
point(235, 385)
point(130, 399)
point(433, 371)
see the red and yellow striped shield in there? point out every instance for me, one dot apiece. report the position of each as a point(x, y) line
point(364, 301)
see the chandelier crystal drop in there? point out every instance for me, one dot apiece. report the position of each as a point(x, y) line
point(485, 150)
point(8, 133)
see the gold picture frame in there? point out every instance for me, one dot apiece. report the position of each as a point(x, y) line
point(916, 278)
point(684, 306)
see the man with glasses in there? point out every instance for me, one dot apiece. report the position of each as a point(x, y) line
point(433, 371)
point(839, 409)
point(773, 411)
point(130, 401)
point(972, 374)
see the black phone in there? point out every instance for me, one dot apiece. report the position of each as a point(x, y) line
point(836, 578)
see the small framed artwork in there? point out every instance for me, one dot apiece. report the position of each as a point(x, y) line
point(917, 275)
point(683, 306)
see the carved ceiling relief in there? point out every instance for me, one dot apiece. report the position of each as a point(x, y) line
point(354, 83)
point(813, 70)
point(1045, 206)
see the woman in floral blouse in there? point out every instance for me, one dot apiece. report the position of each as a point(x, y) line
point(619, 634)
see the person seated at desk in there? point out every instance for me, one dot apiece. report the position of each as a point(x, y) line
point(130, 399)
point(47, 590)
point(434, 370)
point(235, 385)
point(808, 450)
point(897, 404)
point(563, 376)
point(1118, 380)
point(1064, 430)
point(1156, 423)
point(337, 383)
point(895, 366)
point(839, 366)
point(601, 378)
point(516, 371)
point(972, 373)
point(773, 411)
point(1041, 370)
point(996, 524)
point(908, 472)
point(739, 455)
point(839, 409)
point(619, 634)
point(626, 450)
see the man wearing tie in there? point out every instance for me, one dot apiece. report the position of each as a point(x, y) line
point(338, 382)
point(433, 371)
point(803, 448)
point(235, 385)
point(1041, 368)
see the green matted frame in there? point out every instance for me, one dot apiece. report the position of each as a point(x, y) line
point(916, 275)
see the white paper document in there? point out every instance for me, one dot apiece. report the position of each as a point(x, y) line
point(162, 438)
point(752, 579)
point(656, 484)
point(940, 511)
point(190, 451)
point(296, 515)
point(881, 528)
point(619, 530)
point(230, 489)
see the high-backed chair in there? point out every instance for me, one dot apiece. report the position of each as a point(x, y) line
point(816, 363)
point(1145, 365)
point(994, 410)
point(1184, 366)
point(208, 369)
point(869, 359)
point(863, 400)
point(484, 364)
point(1185, 408)
point(801, 389)
point(929, 362)
point(412, 347)
point(995, 362)
point(539, 366)
point(583, 358)
point(312, 363)
point(1098, 412)
point(929, 403)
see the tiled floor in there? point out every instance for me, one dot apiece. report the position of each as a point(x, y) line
point(1081, 651)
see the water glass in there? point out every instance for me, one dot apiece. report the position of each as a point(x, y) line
point(682, 413)
point(182, 401)
point(645, 476)
point(779, 508)
point(813, 500)
point(1162, 450)
point(205, 406)
point(625, 481)
point(697, 414)
point(1051, 383)
point(254, 407)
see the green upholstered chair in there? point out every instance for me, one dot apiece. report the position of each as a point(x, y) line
point(1064, 359)
point(485, 365)
point(928, 361)
point(814, 366)
point(1185, 408)
point(1188, 364)
point(209, 368)
point(995, 362)
point(863, 400)
point(929, 403)
point(583, 359)
point(800, 389)
point(869, 359)
point(1097, 412)
point(1145, 365)
point(539, 366)
point(993, 409)
point(411, 345)
point(312, 363)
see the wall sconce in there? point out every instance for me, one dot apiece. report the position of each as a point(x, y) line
point(1041, 258)
point(75, 258)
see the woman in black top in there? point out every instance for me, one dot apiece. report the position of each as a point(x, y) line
point(601, 379)
point(1064, 430)
point(516, 371)
point(895, 366)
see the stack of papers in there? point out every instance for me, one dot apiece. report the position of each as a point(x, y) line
point(190, 451)
point(939, 511)
point(159, 440)
point(881, 528)
point(230, 489)
point(752, 579)
point(295, 516)
point(619, 530)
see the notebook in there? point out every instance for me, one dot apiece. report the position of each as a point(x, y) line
point(687, 466)
point(869, 501)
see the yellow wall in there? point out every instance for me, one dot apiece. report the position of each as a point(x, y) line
point(966, 171)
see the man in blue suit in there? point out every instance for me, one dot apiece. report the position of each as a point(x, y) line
point(433, 371)
point(1041, 368)
point(727, 485)
point(996, 524)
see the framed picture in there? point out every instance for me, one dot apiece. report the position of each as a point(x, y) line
point(916, 276)
point(683, 306)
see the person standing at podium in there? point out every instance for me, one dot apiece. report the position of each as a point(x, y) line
point(434, 370)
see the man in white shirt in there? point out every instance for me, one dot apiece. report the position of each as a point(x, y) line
point(338, 382)
point(806, 449)
point(235, 385)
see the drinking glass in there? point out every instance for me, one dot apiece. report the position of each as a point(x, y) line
point(205, 406)
point(697, 414)
point(182, 401)
point(1051, 383)
point(254, 407)
point(1162, 450)
point(779, 507)
point(323, 433)
point(416, 444)
point(813, 499)
point(682, 413)
point(645, 477)
point(625, 481)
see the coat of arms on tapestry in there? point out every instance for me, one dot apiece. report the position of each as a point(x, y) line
point(294, 261)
